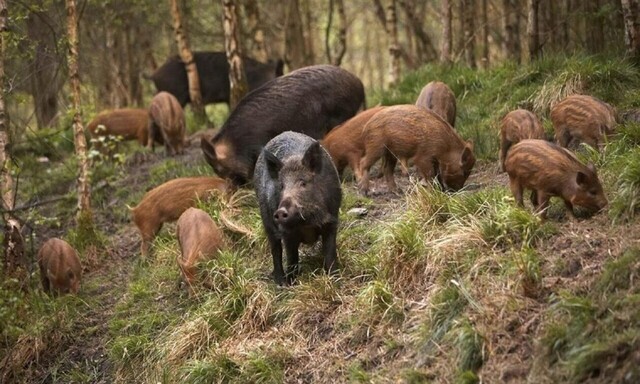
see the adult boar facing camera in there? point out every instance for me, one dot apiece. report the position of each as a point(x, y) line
point(310, 100)
point(299, 193)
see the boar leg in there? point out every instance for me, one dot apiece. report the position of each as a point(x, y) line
point(372, 154)
point(543, 204)
point(426, 167)
point(534, 198)
point(516, 190)
point(276, 254)
point(563, 137)
point(569, 206)
point(329, 248)
point(291, 245)
point(504, 148)
point(390, 162)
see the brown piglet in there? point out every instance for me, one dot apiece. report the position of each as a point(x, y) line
point(166, 202)
point(60, 268)
point(200, 239)
point(129, 123)
point(408, 132)
point(550, 170)
point(345, 143)
point(582, 118)
point(166, 120)
point(515, 126)
point(438, 97)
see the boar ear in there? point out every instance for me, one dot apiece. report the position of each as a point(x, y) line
point(312, 158)
point(591, 167)
point(208, 150)
point(582, 179)
point(273, 163)
point(467, 153)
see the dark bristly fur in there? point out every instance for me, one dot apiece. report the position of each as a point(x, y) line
point(166, 118)
point(550, 170)
point(213, 72)
point(60, 268)
point(299, 193)
point(311, 100)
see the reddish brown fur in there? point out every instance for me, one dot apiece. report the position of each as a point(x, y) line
point(550, 170)
point(518, 125)
point(200, 239)
point(130, 123)
point(345, 143)
point(408, 132)
point(166, 117)
point(582, 118)
point(166, 202)
point(60, 268)
point(438, 97)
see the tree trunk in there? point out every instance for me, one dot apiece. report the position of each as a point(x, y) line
point(394, 46)
point(310, 34)
point(295, 52)
point(257, 45)
point(564, 25)
point(341, 44)
point(485, 35)
point(631, 27)
point(532, 29)
point(45, 79)
point(15, 264)
point(237, 79)
point(426, 45)
point(469, 35)
point(189, 63)
point(84, 185)
point(445, 54)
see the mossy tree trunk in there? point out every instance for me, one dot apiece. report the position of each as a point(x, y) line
point(341, 44)
point(468, 16)
point(189, 63)
point(445, 53)
point(256, 31)
point(13, 246)
point(485, 34)
point(237, 78)
point(84, 184)
point(630, 12)
point(394, 45)
point(533, 35)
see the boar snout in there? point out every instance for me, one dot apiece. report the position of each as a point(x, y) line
point(286, 212)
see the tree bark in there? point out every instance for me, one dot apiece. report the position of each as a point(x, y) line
point(394, 45)
point(445, 53)
point(237, 79)
point(485, 35)
point(532, 29)
point(341, 44)
point(189, 63)
point(631, 27)
point(468, 9)
point(295, 51)
point(84, 185)
point(426, 45)
point(15, 264)
point(256, 31)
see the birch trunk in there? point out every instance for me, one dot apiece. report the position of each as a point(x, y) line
point(237, 78)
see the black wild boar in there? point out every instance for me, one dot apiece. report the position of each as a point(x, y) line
point(582, 118)
point(299, 194)
point(438, 97)
point(550, 170)
point(408, 132)
point(310, 100)
point(166, 119)
point(60, 268)
point(213, 70)
point(515, 126)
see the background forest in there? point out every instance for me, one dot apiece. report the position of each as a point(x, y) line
point(433, 287)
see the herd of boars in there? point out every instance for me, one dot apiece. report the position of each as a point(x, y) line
point(291, 139)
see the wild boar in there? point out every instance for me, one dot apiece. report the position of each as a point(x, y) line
point(129, 123)
point(166, 202)
point(311, 100)
point(60, 268)
point(200, 239)
point(213, 71)
point(438, 97)
point(515, 126)
point(345, 143)
point(582, 118)
point(299, 193)
point(550, 170)
point(409, 132)
point(166, 119)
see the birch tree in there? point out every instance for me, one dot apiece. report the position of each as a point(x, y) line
point(237, 78)
point(631, 27)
